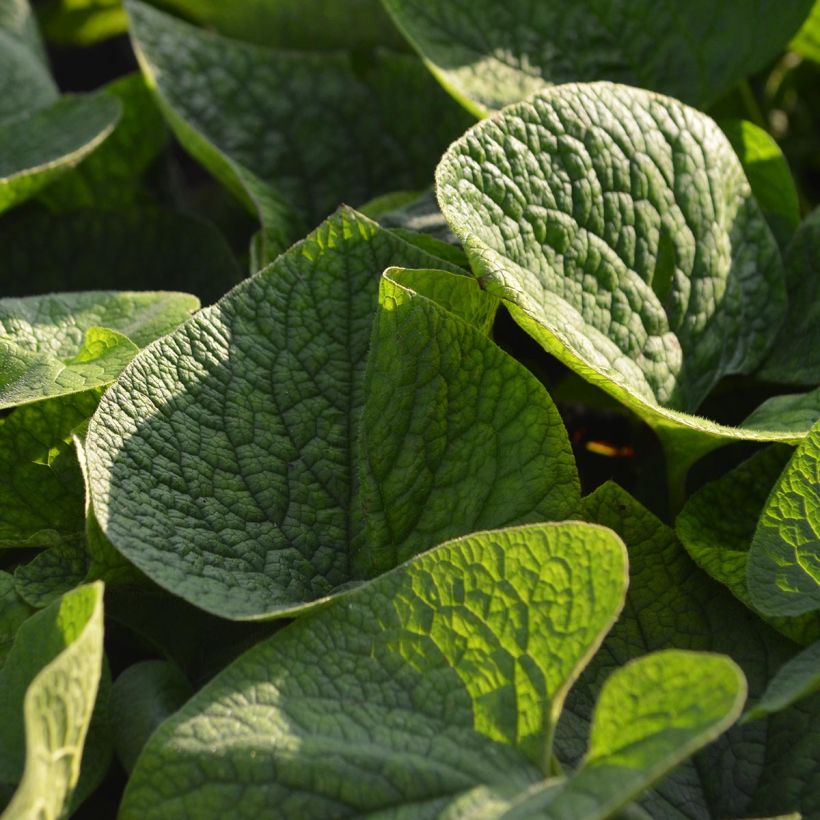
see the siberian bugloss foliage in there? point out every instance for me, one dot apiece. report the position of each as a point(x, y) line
point(409, 409)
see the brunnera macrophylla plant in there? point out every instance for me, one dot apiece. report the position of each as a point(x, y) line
point(295, 520)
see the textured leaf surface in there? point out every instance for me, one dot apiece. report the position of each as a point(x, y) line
point(37, 147)
point(60, 344)
point(274, 125)
point(718, 523)
point(442, 675)
point(768, 174)
point(93, 249)
point(796, 679)
point(233, 479)
point(457, 435)
point(52, 573)
point(47, 693)
point(490, 54)
point(783, 571)
point(622, 232)
point(41, 487)
point(652, 714)
point(671, 604)
point(795, 357)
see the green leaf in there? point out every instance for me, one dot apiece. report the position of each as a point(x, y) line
point(783, 571)
point(41, 487)
point(25, 81)
point(94, 249)
point(82, 22)
point(60, 344)
point(13, 611)
point(264, 513)
point(621, 231)
point(36, 148)
point(788, 413)
point(444, 674)
point(457, 435)
point(652, 714)
point(296, 24)
point(109, 177)
point(489, 54)
point(796, 679)
point(807, 40)
point(52, 573)
point(48, 689)
point(718, 523)
point(671, 604)
point(768, 174)
point(336, 128)
point(144, 695)
point(795, 358)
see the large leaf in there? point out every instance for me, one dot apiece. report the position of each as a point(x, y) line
point(90, 249)
point(444, 674)
point(296, 24)
point(25, 81)
point(295, 134)
point(795, 357)
point(783, 571)
point(13, 611)
point(619, 227)
point(718, 523)
point(37, 147)
point(489, 54)
point(41, 486)
point(232, 479)
point(807, 40)
point(671, 604)
point(60, 344)
point(47, 692)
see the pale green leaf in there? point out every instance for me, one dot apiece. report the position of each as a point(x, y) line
point(718, 523)
point(233, 479)
point(37, 147)
point(273, 126)
point(48, 689)
point(795, 357)
point(783, 570)
point(489, 54)
point(621, 231)
point(442, 675)
point(59, 344)
point(796, 679)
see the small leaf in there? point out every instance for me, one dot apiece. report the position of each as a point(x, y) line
point(783, 570)
point(796, 679)
point(444, 674)
point(807, 40)
point(13, 611)
point(48, 689)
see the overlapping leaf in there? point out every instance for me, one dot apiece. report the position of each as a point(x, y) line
point(783, 570)
point(294, 134)
point(670, 604)
point(619, 227)
point(48, 689)
point(489, 54)
point(796, 679)
point(232, 478)
point(60, 344)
